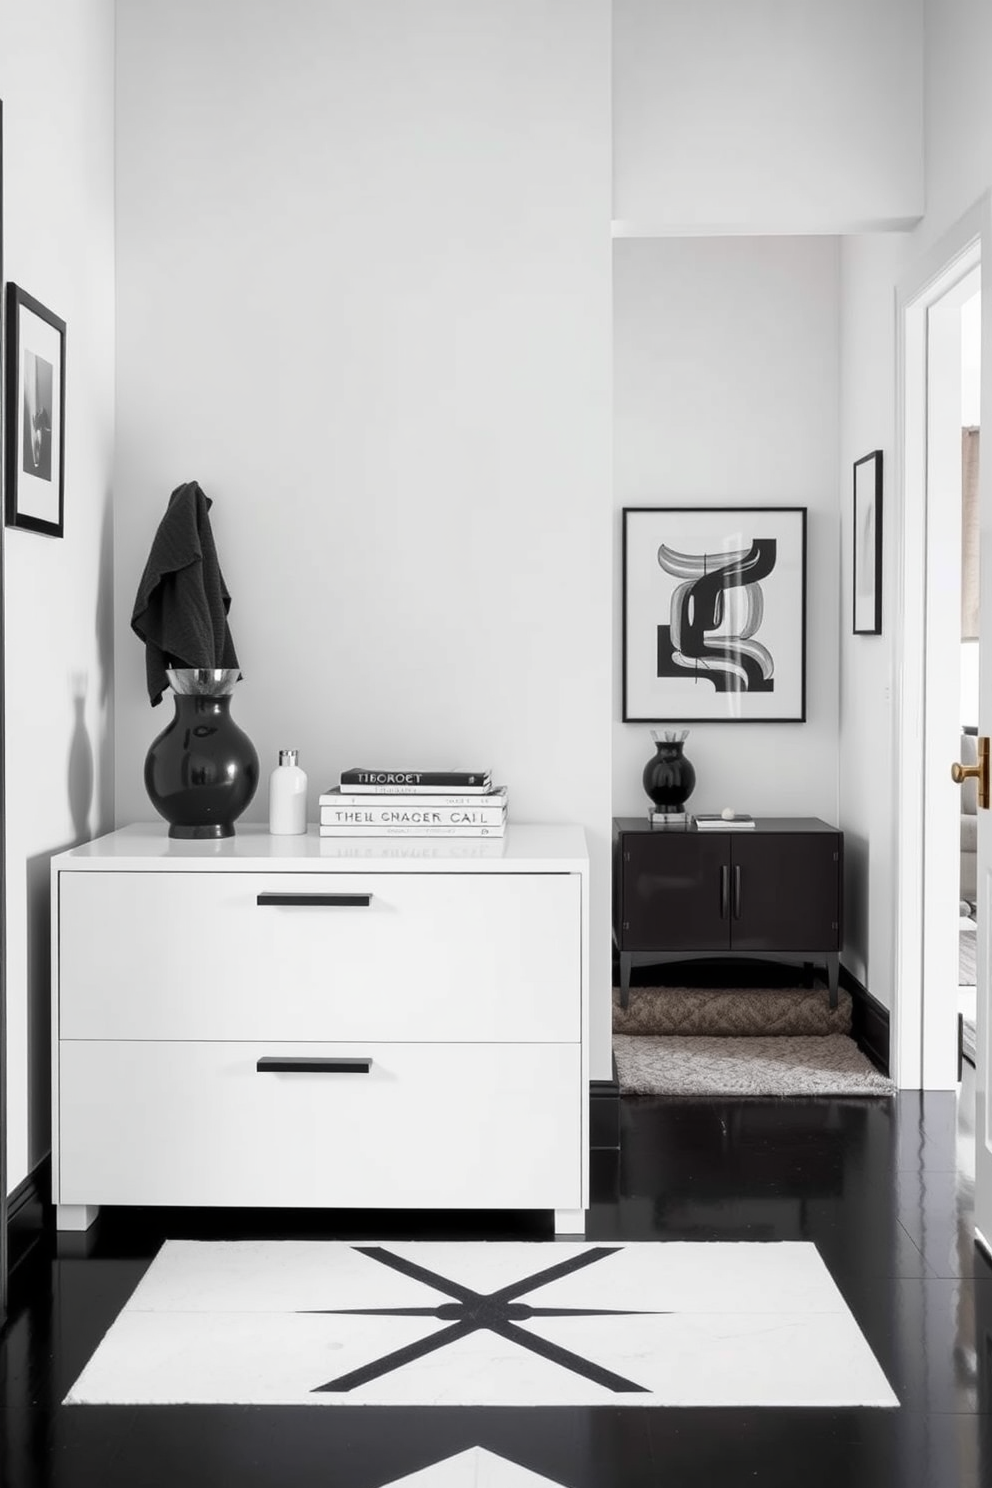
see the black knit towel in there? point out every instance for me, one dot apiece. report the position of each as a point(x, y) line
point(180, 611)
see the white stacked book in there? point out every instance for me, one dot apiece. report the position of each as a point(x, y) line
point(737, 821)
point(413, 803)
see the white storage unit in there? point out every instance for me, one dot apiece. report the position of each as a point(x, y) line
point(321, 1022)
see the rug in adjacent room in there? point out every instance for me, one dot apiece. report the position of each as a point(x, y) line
point(967, 952)
point(503, 1323)
point(678, 1065)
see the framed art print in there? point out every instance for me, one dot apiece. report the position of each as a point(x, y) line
point(35, 415)
point(714, 614)
point(867, 574)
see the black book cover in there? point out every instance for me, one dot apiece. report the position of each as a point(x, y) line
point(415, 778)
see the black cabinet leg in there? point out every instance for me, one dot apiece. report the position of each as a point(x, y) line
point(625, 963)
point(833, 976)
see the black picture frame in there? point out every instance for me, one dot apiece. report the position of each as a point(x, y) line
point(866, 567)
point(4, 1258)
point(35, 408)
point(726, 572)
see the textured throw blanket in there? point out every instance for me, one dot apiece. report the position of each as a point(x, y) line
point(180, 611)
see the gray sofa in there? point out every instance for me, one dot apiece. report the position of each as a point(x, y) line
point(969, 823)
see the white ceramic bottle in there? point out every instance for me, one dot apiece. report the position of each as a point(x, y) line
point(288, 796)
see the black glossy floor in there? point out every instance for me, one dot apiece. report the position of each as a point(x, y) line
point(874, 1184)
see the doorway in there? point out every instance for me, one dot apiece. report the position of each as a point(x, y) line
point(941, 911)
point(950, 693)
point(939, 359)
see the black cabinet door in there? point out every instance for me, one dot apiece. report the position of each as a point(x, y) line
point(785, 891)
point(674, 892)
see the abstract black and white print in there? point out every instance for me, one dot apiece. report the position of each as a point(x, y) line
point(37, 420)
point(714, 613)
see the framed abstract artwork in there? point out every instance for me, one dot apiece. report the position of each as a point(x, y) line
point(867, 572)
point(714, 614)
point(35, 415)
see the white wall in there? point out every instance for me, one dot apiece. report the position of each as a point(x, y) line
point(726, 393)
point(364, 298)
point(958, 109)
point(971, 362)
point(870, 266)
point(770, 116)
point(57, 87)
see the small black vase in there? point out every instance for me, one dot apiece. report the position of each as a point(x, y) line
point(669, 778)
point(202, 770)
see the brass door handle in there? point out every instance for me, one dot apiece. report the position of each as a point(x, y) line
point(980, 772)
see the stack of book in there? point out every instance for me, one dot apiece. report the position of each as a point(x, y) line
point(738, 821)
point(413, 803)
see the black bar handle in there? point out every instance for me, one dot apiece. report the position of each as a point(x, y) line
point(724, 890)
point(271, 1064)
point(737, 891)
point(332, 901)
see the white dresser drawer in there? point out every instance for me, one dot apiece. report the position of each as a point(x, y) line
point(431, 957)
point(430, 1126)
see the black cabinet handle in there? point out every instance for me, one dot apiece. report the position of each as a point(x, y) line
point(332, 901)
point(737, 891)
point(724, 890)
point(310, 1065)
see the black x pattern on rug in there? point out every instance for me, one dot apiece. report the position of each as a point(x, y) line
point(499, 1312)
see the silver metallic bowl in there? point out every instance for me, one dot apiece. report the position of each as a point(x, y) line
point(203, 681)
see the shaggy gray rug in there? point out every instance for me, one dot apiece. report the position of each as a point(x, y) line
point(731, 1012)
point(815, 1065)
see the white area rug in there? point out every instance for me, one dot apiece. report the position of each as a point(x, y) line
point(475, 1468)
point(832, 1065)
point(509, 1323)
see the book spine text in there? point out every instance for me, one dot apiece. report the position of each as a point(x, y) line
point(405, 816)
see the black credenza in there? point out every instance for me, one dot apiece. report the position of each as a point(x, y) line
point(774, 891)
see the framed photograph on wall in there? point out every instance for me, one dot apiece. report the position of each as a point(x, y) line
point(714, 614)
point(867, 572)
point(35, 411)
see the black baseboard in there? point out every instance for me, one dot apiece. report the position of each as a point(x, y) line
point(604, 1112)
point(869, 1021)
point(29, 1209)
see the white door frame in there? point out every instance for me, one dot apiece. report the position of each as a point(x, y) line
point(943, 268)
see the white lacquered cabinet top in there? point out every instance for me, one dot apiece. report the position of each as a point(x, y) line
point(147, 846)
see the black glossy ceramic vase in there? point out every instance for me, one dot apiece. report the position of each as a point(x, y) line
point(202, 770)
point(669, 778)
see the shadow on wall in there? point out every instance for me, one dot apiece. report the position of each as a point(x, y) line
point(80, 768)
point(105, 605)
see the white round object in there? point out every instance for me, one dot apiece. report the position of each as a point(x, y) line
point(728, 813)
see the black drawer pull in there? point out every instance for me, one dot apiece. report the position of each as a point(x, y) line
point(271, 1064)
point(332, 901)
point(724, 890)
point(737, 891)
